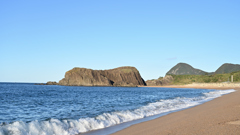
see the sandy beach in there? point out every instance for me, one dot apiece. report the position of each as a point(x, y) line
point(220, 116)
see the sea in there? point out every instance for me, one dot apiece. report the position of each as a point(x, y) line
point(29, 109)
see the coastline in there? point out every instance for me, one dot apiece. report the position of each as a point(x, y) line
point(218, 116)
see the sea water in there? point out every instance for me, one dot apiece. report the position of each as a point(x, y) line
point(28, 109)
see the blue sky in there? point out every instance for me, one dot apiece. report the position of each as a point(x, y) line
point(41, 40)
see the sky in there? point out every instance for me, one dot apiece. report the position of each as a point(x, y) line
point(41, 40)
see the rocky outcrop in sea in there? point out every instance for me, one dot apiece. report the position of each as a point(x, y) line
point(122, 76)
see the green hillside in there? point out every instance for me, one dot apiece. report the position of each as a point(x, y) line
point(216, 78)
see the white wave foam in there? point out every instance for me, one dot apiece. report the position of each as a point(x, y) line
point(71, 127)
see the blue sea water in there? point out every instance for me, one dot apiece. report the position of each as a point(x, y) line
point(31, 109)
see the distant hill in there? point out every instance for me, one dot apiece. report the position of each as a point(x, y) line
point(185, 69)
point(183, 73)
point(227, 68)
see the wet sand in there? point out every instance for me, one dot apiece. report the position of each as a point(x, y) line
point(220, 116)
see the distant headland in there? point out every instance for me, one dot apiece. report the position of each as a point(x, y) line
point(180, 74)
point(183, 73)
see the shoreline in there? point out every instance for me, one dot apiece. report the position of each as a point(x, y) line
point(202, 86)
point(218, 116)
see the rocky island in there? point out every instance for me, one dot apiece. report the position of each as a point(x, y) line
point(122, 76)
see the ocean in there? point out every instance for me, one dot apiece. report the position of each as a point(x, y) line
point(28, 109)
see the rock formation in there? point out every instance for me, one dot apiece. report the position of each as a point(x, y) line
point(160, 81)
point(122, 76)
point(51, 83)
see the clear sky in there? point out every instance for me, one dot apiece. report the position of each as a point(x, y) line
point(41, 40)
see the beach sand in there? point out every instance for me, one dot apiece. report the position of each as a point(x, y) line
point(220, 116)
